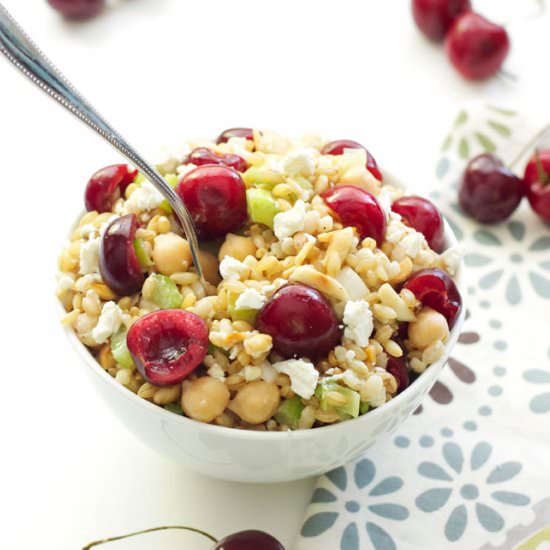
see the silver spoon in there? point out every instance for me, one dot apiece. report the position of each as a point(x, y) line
point(25, 56)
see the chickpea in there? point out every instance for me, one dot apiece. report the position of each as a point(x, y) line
point(236, 246)
point(256, 402)
point(171, 253)
point(210, 267)
point(204, 399)
point(428, 327)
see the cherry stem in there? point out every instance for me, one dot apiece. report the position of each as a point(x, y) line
point(153, 529)
point(530, 145)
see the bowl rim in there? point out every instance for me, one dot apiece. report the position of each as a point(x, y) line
point(93, 365)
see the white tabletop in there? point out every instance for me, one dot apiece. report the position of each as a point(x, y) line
point(162, 70)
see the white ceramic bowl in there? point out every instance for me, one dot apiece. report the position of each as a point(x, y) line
point(250, 456)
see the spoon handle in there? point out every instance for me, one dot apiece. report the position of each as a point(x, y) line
point(21, 51)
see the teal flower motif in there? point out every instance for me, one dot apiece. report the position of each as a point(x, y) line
point(540, 404)
point(456, 476)
point(369, 507)
point(509, 261)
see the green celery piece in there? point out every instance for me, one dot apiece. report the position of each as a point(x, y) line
point(172, 179)
point(289, 412)
point(351, 408)
point(143, 258)
point(248, 315)
point(139, 179)
point(262, 207)
point(165, 205)
point(363, 407)
point(174, 408)
point(120, 351)
point(166, 294)
point(257, 175)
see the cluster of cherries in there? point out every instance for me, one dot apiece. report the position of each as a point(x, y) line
point(167, 345)
point(78, 9)
point(490, 192)
point(475, 46)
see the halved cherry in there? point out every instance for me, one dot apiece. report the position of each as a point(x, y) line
point(107, 185)
point(422, 215)
point(537, 183)
point(226, 135)
point(216, 198)
point(168, 345)
point(337, 148)
point(397, 366)
point(118, 262)
point(301, 322)
point(202, 155)
point(358, 208)
point(435, 288)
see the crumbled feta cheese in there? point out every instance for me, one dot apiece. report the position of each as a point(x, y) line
point(285, 224)
point(250, 299)
point(167, 159)
point(108, 323)
point(145, 197)
point(65, 281)
point(303, 376)
point(358, 322)
point(451, 258)
point(354, 285)
point(89, 257)
point(413, 243)
point(232, 269)
point(300, 162)
point(407, 241)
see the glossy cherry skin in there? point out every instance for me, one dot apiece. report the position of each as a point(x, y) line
point(397, 366)
point(476, 47)
point(118, 263)
point(435, 17)
point(537, 183)
point(226, 135)
point(422, 215)
point(106, 186)
point(78, 9)
point(489, 192)
point(202, 155)
point(167, 345)
point(216, 198)
point(358, 208)
point(339, 146)
point(301, 322)
point(249, 540)
point(435, 288)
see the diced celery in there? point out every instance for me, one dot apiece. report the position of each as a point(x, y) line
point(172, 179)
point(165, 205)
point(262, 207)
point(257, 175)
point(142, 256)
point(352, 405)
point(139, 179)
point(119, 349)
point(165, 292)
point(248, 315)
point(289, 412)
point(363, 407)
point(174, 408)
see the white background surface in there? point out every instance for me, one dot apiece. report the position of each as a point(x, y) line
point(162, 70)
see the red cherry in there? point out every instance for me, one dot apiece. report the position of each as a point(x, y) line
point(216, 198)
point(301, 322)
point(422, 215)
point(358, 208)
point(249, 540)
point(435, 288)
point(78, 9)
point(118, 263)
point(107, 185)
point(167, 345)
point(476, 47)
point(202, 155)
point(489, 192)
point(435, 17)
point(397, 366)
point(537, 183)
point(338, 147)
point(226, 135)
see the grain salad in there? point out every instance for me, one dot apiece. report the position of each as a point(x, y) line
point(326, 291)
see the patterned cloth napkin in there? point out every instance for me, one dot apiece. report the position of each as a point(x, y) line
point(471, 468)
